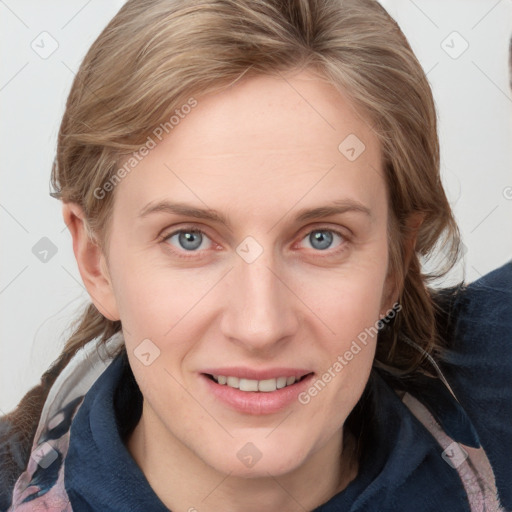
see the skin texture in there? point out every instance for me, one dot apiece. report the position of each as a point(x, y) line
point(258, 153)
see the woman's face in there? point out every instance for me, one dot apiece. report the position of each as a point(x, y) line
point(280, 272)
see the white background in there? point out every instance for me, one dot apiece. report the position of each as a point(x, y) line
point(38, 300)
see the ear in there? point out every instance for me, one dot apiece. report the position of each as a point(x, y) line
point(91, 262)
point(391, 294)
point(414, 221)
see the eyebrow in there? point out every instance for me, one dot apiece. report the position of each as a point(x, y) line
point(334, 208)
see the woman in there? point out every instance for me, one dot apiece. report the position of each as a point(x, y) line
point(249, 187)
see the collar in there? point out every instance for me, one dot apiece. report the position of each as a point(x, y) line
point(96, 401)
point(441, 402)
point(400, 458)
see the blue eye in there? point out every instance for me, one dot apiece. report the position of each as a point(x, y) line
point(194, 240)
point(188, 239)
point(321, 239)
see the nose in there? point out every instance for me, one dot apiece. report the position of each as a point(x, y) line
point(261, 310)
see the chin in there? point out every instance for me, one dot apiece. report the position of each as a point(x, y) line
point(256, 460)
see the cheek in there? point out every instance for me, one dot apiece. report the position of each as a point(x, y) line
point(350, 299)
point(151, 297)
point(353, 318)
point(350, 307)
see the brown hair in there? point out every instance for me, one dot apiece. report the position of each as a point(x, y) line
point(155, 54)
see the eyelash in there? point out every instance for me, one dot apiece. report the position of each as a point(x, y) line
point(188, 229)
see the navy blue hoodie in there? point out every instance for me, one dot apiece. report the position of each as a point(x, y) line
point(423, 451)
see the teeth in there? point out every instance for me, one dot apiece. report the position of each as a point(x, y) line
point(233, 382)
point(248, 385)
point(281, 382)
point(266, 386)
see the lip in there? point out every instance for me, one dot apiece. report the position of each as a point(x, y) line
point(251, 373)
point(257, 402)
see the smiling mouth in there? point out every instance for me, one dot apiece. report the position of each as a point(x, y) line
point(256, 386)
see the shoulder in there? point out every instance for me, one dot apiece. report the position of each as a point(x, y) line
point(14, 452)
point(476, 318)
point(477, 363)
point(488, 299)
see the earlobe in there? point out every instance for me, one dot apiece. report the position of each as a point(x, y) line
point(91, 262)
point(413, 224)
point(390, 298)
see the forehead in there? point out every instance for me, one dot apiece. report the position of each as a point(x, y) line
point(272, 115)
point(265, 140)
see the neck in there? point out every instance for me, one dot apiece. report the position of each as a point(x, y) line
point(183, 481)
